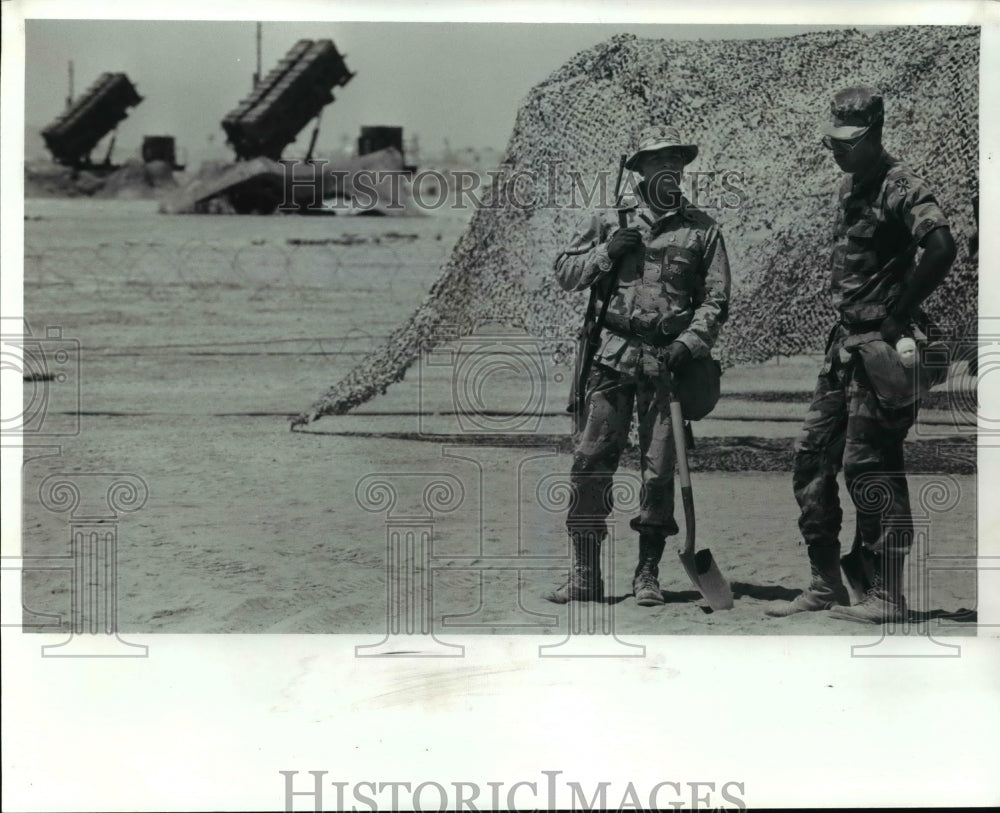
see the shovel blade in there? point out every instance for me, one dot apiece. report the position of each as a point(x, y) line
point(858, 570)
point(705, 575)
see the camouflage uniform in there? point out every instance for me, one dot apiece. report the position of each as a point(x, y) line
point(683, 287)
point(860, 413)
point(885, 218)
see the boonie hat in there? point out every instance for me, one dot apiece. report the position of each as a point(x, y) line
point(658, 137)
point(853, 111)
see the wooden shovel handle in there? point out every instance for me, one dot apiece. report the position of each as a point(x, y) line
point(684, 473)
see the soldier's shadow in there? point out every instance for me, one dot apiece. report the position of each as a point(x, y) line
point(962, 615)
point(670, 597)
point(764, 592)
point(761, 592)
point(775, 592)
point(681, 596)
point(610, 600)
point(690, 597)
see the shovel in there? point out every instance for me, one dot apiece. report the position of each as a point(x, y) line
point(700, 566)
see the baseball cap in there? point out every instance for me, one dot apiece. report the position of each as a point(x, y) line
point(853, 111)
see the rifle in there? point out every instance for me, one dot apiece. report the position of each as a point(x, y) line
point(593, 323)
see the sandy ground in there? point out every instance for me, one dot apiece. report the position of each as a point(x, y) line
point(200, 336)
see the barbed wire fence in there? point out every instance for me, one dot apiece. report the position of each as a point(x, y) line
point(393, 268)
point(363, 286)
point(253, 284)
point(205, 270)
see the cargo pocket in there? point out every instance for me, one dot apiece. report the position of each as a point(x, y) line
point(860, 237)
point(678, 269)
point(895, 385)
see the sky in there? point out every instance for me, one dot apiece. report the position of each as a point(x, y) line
point(457, 81)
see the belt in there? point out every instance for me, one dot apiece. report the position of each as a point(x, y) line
point(646, 328)
point(860, 318)
point(862, 327)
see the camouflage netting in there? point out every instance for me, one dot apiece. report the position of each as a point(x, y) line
point(753, 106)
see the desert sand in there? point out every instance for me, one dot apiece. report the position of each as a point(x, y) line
point(201, 336)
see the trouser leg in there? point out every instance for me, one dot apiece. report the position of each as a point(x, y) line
point(595, 461)
point(875, 474)
point(657, 461)
point(876, 479)
point(598, 451)
point(819, 450)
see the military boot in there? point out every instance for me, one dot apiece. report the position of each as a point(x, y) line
point(645, 583)
point(826, 589)
point(584, 583)
point(884, 600)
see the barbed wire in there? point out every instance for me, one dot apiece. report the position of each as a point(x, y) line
point(207, 270)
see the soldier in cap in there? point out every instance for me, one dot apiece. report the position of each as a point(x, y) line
point(669, 302)
point(885, 213)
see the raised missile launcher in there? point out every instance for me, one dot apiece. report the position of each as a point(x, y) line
point(76, 131)
point(270, 118)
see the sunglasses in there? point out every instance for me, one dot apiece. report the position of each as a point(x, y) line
point(841, 145)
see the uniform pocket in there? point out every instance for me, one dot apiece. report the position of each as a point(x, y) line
point(863, 228)
point(655, 254)
point(652, 270)
point(681, 257)
point(679, 265)
point(861, 233)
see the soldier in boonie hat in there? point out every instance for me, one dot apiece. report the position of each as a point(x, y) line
point(660, 137)
point(659, 282)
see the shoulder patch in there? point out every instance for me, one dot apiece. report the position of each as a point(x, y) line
point(901, 183)
point(901, 171)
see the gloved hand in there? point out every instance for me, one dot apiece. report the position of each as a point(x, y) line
point(892, 328)
point(676, 356)
point(624, 241)
point(651, 365)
